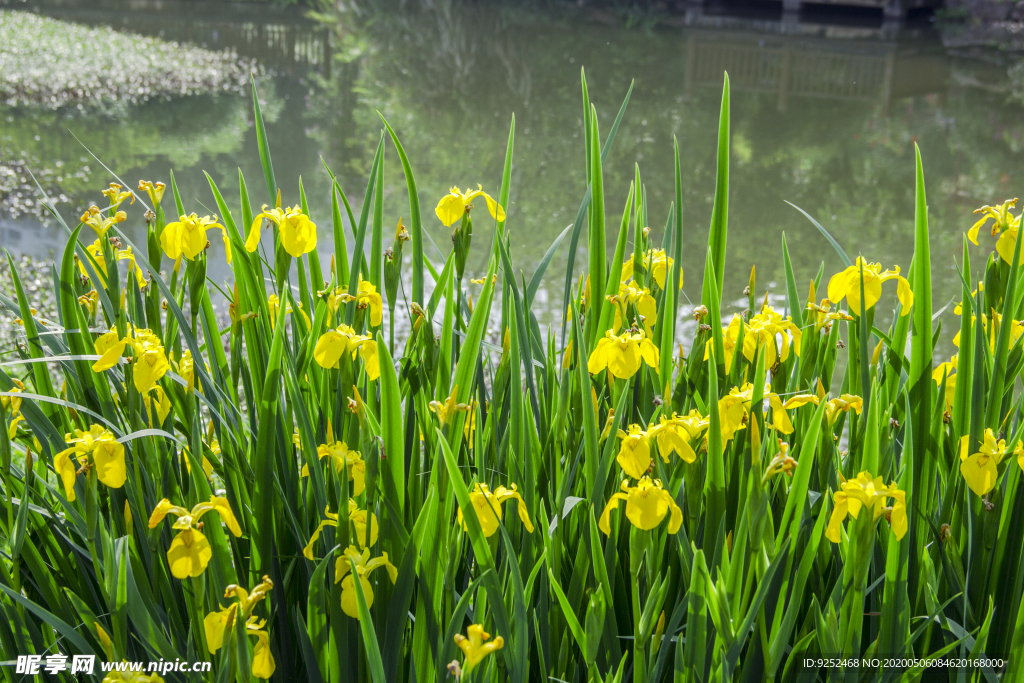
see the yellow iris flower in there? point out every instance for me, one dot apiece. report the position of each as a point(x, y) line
point(91, 300)
point(446, 411)
point(869, 492)
point(487, 505)
point(364, 565)
point(475, 647)
point(674, 434)
point(298, 233)
point(355, 403)
point(453, 205)
point(981, 470)
point(847, 284)
point(767, 329)
point(116, 196)
point(655, 261)
point(647, 504)
point(641, 300)
point(190, 551)
point(469, 428)
point(149, 366)
point(100, 224)
point(12, 404)
point(341, 457)
point(947, 370)
point(991, 331)
point(734, 409)
point(824, 316)
point(334, 300)
point(358, 521)
point(782, 462)
point(659, 264)
point(343, 340)
point(367, 297)
point(780, 418)
point(149, 360)
point(96, 252)
point(274, 305)
point(843, 404)
point(12, 430)
point(157, 404)
point(622, 354)
point(154, 190)
point(221, 623)
point(186, 369)
point(1004, 224)
point(634, 452)
point(95, 448)
point(186, 237)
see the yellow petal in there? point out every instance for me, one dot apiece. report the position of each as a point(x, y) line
point(262, 659)
point(834, 532)
point(189, 554)
point(598, 360)
point(329, 349)
point(972, 234)
point(108, 456)
point(980, 471)
point(298, 234)
point(349, 599)
point(634, 456)
point(613, 504)
point(524, 514)
point(368, 352)
point(215, 624)
point(898, 520)
point(222, 506)
point(111, 348)
point(64, 465)
point(451, 208)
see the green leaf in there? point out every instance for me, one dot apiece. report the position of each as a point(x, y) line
point(795, 305)
point(720, 212)
point(261, 139)
point(366, 627)
point(495, 595)
point(416, 226)
point(392, 430)
point(835, 245)
point(919, 381)
point(596, 234)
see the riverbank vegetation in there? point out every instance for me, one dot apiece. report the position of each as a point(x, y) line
point(302, 494)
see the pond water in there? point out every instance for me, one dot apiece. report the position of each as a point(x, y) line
point(823, 116)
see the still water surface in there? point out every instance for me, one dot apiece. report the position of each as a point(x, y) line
point(823, 117)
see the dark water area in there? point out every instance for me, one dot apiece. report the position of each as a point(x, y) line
point(824, 115)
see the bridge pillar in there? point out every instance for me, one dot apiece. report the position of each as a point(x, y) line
point(893, 10)
point(790, 12)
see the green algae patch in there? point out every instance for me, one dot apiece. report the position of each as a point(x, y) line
point(51, 63)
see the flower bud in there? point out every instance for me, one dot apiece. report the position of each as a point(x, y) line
point(461, 239)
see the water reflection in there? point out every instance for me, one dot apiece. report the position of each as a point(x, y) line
point(823, 117)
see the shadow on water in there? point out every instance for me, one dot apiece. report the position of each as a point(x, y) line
point(825, 114)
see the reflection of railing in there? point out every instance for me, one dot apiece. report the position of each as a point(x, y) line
point(274, 37)
point(798, 68)
point(273, 44)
